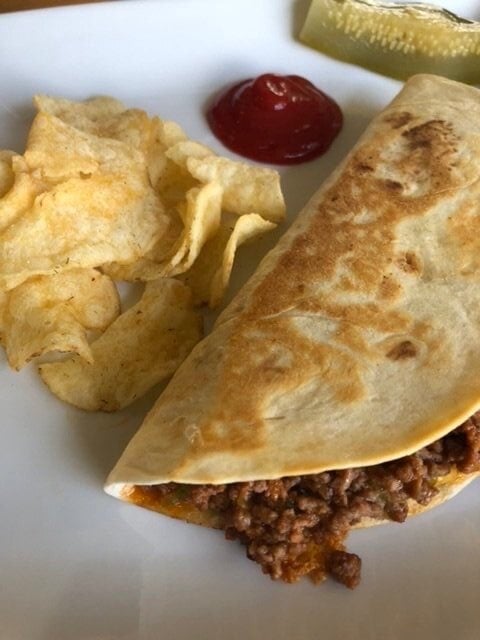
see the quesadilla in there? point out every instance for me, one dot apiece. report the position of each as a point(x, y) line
point(341, 387)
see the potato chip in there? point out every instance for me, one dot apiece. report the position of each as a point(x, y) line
point(142, 347)
point(156, 164)
point(20, 196)
point(53, 313)
point(200, 220)
point(152, 265)
point(209, 276)
point(176, 180)
point(86, 116)
point(111, 171)
point(182, 151)
point(3, 305)
point(102, 186)
point(56, 151)
point(81, 223)
point(173, 183)
point(166, 134)
point(133, 127)
point(6, 171)
point(172, 179)
point(103, 117)
point(246, 228)
point(246, 188)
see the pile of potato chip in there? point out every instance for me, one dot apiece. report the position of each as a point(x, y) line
point(104, 194)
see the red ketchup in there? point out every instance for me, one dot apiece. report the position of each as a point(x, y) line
point(275, 119)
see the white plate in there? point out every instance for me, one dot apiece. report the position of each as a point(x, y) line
point(76, 564)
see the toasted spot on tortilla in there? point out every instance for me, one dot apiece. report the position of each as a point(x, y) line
point(393, 185)
point(402, 350)
point(410, 262)
point(398, 120)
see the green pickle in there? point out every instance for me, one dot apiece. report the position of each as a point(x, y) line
point(396, 40)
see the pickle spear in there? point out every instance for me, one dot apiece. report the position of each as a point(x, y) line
point(397, 40)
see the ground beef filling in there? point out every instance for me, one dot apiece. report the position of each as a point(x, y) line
point(297, 526)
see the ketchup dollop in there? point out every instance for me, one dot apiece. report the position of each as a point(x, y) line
point(275, 119)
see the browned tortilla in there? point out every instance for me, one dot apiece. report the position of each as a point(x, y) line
point(357, 341)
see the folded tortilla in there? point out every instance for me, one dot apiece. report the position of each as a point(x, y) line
point(357, 340)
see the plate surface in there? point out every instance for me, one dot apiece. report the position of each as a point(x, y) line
point(76, 564)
